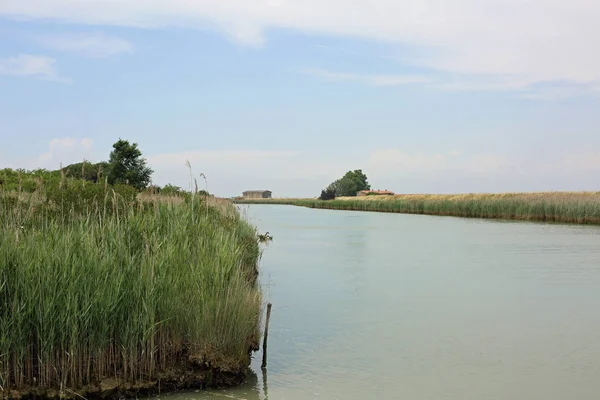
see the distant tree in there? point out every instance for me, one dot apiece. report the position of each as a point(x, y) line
point(153, 189)
point(171, 189)
point(327, 194)
point(86, 170)
point(127, 166)
point(359, 179)
point(349, 185)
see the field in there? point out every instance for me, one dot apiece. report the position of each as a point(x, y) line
point(566, 207)
point(105, 293)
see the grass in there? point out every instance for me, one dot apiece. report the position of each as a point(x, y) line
point(119, 288)
point(565, 207)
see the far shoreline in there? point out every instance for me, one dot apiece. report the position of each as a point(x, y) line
point(561, 207)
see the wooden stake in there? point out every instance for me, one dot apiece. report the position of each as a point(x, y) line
point(264, 360)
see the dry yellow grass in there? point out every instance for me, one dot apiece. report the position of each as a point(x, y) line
point(569, 207)
point(533, 196)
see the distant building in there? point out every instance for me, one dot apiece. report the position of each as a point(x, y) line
point(375, 192)
point(257, 194)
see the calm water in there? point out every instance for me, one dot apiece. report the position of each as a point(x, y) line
point(390, 306)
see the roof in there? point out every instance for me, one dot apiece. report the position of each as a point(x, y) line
point(256, 191)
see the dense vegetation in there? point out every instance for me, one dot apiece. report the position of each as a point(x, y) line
point(95, 283)
point(126, 166)
point(348, 185)
point(106, 282)
point(567, 207)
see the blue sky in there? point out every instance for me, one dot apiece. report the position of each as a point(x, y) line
point(431, 96)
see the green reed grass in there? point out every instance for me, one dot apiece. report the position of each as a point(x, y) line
point(123, 291)
point(564, 207)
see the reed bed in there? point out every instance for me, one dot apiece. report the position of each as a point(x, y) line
point(564, 207)
point(123, 289)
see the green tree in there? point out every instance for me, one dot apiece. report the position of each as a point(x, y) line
point(127, 166)
point(349, 185)
point(86, 170)
point(360, 180)
point(170, 189)
point(327, 194)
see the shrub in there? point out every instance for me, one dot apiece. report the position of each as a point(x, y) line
point(327, 194)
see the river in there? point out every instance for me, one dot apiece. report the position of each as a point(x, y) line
point(394, 306)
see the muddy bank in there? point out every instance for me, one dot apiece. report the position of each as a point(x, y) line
point(187, 376)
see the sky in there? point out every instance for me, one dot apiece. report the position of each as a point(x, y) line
point(425, 96)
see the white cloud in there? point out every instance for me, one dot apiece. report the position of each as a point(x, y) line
point(524, 88)
point(27, 65)
point(65, 151)
point(479, 82)
point(528, 40)
point(95, 45)
point(373, 80)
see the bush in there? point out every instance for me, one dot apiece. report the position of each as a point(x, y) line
point(79, 197)
point(327, 194)
point(169, 189)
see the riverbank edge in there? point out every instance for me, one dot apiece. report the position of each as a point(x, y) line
point(190, 377)
point(582, 208)
point(191, 372)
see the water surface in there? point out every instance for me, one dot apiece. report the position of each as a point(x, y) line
point(393, 306)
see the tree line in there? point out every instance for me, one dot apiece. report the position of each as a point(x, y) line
point(125, 166)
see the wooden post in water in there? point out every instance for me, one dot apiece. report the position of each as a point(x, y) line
point(264, 360)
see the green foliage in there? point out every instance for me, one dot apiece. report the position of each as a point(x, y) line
point(27, 181)
point(172, 190)
point(86, 170)
point(375, 193)
point(349, 185)
point(65, 196)
point(359, 179)
point(327, 194)
point(82, 197)
point(126, 165)
point(126, 292)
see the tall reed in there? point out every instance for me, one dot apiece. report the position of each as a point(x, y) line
point(566, 207)
point(122, 289)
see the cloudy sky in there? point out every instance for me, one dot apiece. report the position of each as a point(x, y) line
point(423, 95)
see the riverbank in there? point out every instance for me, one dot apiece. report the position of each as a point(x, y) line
point(107, 295)
point(565, 207)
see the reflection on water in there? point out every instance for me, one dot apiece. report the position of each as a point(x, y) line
point(387, 306)
point(254, 389)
